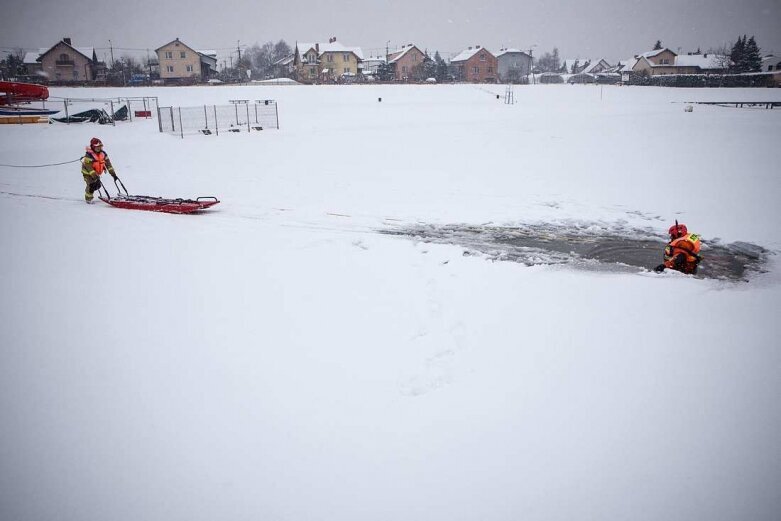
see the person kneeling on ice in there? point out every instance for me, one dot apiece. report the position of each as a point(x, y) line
point(93, 164)
point(682, 252)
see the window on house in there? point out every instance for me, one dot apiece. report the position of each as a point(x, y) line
point(490, 70)
point(189, 68)
point(330, 58)
point(75, 75)
point(63, 57)
point(346, 57)
point(476, 70)
point(169, 68)
point(404, 68)
point(169, 55)
point(482, 57)
point(183, 54)
point(347, 70)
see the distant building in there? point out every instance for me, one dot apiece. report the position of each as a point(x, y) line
point(513, 65)
point(179, 62)
point(326, 62)
point(406, 62)
point(665, 61)
point(771, 63)
point(63, 63)
point(372, 64)
point(475, 64)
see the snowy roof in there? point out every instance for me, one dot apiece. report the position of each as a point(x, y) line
point(593, 65)
point(508, 51)
point(581, 62)
point(468, 53)
point(209, 52)
point(32, 57)
point(703, 61)
point(303, 48)
point(651, 54)
point(338, 47)
point(394, 57)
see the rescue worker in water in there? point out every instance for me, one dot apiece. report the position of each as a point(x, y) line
point(682, 252)
point(93, 164)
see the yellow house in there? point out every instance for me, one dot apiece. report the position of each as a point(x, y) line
point(179, 61)
point(330, 61)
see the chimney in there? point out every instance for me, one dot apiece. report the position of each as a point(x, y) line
point(477, 46)
point(469, 49)
point(317, 48)
point(67, 40)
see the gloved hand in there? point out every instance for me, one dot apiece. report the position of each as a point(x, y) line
point(659, 268)
point(113, 175)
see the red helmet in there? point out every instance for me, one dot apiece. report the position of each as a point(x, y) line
point(95, 142)
point(677, 230)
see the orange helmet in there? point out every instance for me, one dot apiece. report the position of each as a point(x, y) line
point(677, 230)
point(95, 142)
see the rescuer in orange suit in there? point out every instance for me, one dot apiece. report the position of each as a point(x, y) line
point(682, 252)
point(93, 164)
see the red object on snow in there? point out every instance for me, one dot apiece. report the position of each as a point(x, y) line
point(159, 204)
point(14, 92)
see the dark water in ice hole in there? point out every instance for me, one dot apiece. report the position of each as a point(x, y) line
point(615, 249)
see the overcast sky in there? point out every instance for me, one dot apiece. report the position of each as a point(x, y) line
point(613, 29)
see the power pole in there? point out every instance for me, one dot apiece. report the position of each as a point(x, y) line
point(112, 53)
point(238, 48)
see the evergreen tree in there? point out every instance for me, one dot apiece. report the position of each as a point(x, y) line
point(658, 45)
point(738, 55)
point(752, 58)
point(385, 72)
point(575, 67)
point(555, 60)
point(441, 73)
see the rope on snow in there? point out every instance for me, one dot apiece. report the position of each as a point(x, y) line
point(41, 166)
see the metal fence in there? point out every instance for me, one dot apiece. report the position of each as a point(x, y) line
point(115, 109)
point(239, 116)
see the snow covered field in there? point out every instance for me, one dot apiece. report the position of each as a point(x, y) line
point(278, 358)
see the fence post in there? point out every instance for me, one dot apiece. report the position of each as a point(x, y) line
point(237, 113)
point(181, 128)
point(276, 113)
point(216, 121)
point(67, 117)
point(206, 117)
point(173, 127)
point(247, 116)
point(113, 123)
point(129, 110)
point(159, 121)
point(256, 113)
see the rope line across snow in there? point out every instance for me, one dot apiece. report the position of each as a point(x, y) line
point(41, 166)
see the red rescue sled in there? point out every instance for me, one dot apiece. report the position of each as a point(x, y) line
point(155, 204)
point(14, 92)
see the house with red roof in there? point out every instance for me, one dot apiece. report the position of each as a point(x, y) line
point(406, 63)
point(475, 64)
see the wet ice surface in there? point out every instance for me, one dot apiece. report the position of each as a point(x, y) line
point(587, 246)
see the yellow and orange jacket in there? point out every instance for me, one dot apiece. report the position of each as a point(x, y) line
point(683, 253)
point(95, 163)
